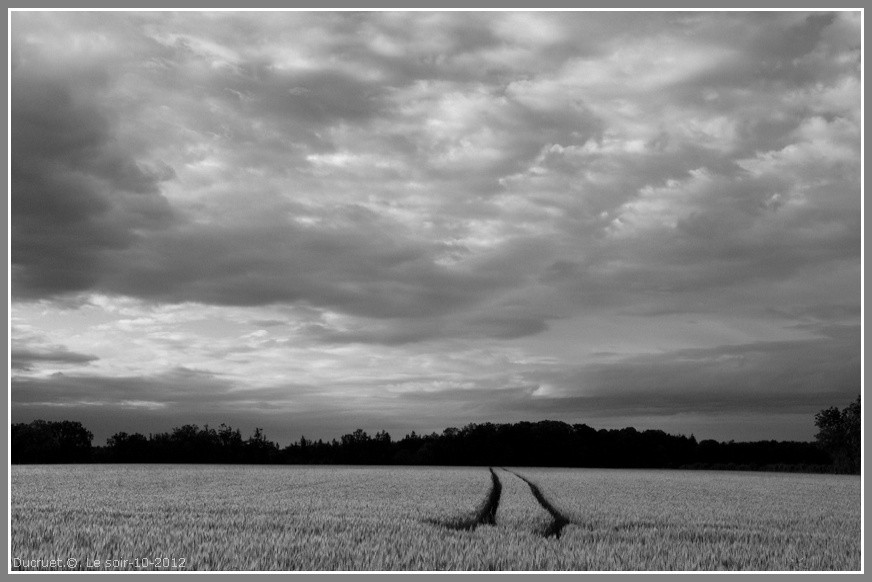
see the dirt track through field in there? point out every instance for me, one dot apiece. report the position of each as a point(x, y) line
point(558, 520)
point(486, 515)
point(488, 512)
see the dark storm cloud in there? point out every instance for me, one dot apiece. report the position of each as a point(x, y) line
point(363, 271)
point(182, 389)
point(766, 377)
point(76, 195)
point(419, 329)
point(25, 359)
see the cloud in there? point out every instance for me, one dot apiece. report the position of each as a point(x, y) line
point(774, 377)
point(24, 359)
point(77, 193)
point(180, 386)
point(392, 333)
point(380, 187)
point(334, 154)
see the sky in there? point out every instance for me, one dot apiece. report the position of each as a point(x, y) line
point(313, 222)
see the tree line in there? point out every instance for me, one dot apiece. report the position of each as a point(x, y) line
point(544, 443)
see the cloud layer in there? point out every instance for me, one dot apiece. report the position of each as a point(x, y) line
point(393, 194)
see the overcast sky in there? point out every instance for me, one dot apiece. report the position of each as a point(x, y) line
point(317, 222)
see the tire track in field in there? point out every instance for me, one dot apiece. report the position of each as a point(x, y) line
point(558, 520)
point(486, 514)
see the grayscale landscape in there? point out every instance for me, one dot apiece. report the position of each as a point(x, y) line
point(435, 290)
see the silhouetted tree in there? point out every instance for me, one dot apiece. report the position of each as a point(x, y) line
point(231, 444)
point(839, 435)
point(258, 449)
point(124, 448)
point(50, 442)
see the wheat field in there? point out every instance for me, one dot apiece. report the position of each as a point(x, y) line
point(701, 520)
point(248, 518)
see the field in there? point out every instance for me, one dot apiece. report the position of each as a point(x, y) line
point(211, 517)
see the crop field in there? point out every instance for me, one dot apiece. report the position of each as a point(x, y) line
point(212, 517)
point(704, 520)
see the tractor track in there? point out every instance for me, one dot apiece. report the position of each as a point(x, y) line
point(558, 520)
point(486, 514)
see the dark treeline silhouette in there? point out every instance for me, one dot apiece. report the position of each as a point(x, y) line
point(545, 443)
point(189, 444)
point(557, 444)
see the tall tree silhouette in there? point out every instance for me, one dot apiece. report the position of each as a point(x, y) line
point(839, 435)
